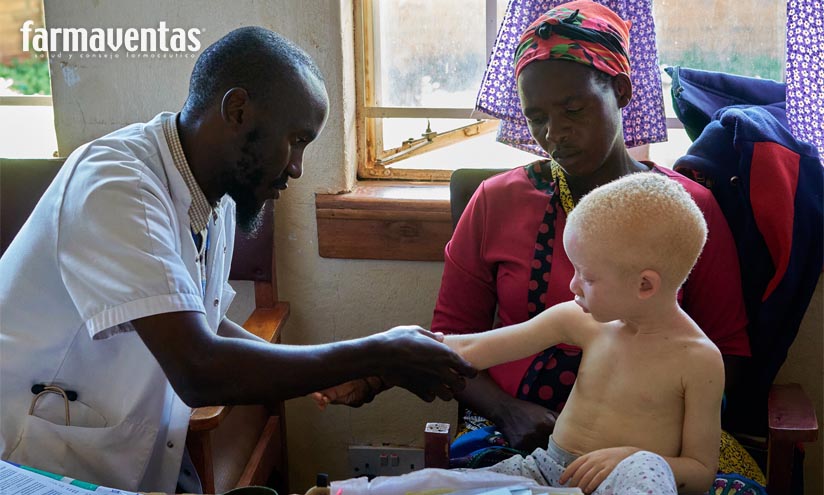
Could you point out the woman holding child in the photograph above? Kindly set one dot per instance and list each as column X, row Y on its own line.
column 506, row 261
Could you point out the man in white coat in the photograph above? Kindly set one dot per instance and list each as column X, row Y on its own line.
column 115, row 291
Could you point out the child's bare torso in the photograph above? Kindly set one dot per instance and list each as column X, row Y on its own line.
column 630, row 391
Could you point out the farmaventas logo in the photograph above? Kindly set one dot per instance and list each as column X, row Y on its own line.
column 152, row 39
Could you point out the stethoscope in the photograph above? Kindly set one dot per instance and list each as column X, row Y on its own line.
column 41, row 389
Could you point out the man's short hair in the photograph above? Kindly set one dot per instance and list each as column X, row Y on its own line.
column 648, row 220
column 253, row 58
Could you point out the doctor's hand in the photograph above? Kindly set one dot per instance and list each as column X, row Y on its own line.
column 353, row 393
column 590, row 470
column 415, row 359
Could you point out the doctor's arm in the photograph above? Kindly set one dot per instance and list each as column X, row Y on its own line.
column 207, row 369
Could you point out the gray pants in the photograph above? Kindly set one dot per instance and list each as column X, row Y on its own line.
column 641, row 473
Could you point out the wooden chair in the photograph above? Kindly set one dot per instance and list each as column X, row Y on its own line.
column 790, row 415
column 246, row 445
column 229, row 446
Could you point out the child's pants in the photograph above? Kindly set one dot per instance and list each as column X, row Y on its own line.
column 642, row 473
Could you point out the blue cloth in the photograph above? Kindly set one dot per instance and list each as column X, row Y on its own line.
column 698, row 94
column 735, row 484
column 474, row 440
column 763, row 178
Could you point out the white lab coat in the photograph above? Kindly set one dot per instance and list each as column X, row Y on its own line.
column 109, row 242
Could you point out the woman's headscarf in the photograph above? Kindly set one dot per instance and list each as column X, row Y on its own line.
column 644, row 120
column 581, row 31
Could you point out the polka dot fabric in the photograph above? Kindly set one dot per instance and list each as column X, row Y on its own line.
column 642, row 473
column 549, row 379
column 644, row 119
column 805, row 71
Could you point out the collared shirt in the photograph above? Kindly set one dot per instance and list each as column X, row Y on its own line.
column 200, row 210
column 109, row 242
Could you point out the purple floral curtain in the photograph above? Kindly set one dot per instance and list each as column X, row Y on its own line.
column 644, row 119
column 805, row 71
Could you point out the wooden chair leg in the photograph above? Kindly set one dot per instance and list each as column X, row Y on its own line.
column 199, row 444
column 779, row 466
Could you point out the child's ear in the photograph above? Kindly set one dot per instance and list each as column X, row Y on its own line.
column 650, row 284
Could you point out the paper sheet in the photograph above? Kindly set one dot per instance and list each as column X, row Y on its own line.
column 18, row 481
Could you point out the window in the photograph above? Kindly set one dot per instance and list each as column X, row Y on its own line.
column 420, row 64
column 26, row 115
column 716, row 35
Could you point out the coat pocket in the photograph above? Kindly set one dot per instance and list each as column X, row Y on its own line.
column 114, row 456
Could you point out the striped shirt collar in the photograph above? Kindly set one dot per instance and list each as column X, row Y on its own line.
column 200, row 208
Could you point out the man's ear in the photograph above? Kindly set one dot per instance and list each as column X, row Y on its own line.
column 622, row 86
column 234, row 107
column 650, row 284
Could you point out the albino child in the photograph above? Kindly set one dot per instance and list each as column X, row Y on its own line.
column 644, row 415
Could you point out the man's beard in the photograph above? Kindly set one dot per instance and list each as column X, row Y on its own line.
column 249, row 216
column 240, row 186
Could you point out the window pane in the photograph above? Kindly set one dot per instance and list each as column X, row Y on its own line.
column 477, row 152
column 743, row 37
column 26, row 131
column 429, row 53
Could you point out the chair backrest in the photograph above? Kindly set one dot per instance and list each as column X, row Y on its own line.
column 22, row 182
column 254, row 259
column 462, row 186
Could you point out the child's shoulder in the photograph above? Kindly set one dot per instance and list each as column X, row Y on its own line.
column 702, row 355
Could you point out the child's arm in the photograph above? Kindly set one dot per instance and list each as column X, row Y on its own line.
column 562, row 323
column 696, row 467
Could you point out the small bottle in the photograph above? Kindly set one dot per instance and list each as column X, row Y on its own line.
column 321, row 485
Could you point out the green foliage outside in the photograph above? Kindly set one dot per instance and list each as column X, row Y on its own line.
column 763, row 66
column 30, row 76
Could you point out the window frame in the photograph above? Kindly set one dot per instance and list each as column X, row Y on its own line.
column 373, row 161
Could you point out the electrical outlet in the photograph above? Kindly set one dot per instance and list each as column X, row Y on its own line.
column 385, row 460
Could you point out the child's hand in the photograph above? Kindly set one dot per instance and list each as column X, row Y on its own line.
column 354, row 393
column 590, row 470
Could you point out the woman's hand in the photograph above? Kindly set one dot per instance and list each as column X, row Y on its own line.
column 590, row 470
column 354, row 393
column 525, row 425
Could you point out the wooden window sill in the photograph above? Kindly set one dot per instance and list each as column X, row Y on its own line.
column 385, row 221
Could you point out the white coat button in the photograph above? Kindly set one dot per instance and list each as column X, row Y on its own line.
column 170, row 444
column 216, row 302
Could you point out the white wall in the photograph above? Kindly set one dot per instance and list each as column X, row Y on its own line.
column 331, row 299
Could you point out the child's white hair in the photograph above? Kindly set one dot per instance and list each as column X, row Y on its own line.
column 647, row 220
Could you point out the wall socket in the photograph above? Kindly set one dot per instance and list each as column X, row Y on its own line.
column 384, row 460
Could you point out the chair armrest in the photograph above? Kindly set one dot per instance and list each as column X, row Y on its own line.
column 266, row 323
column 436, row 445
column 791, row 419
column 791, row 415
